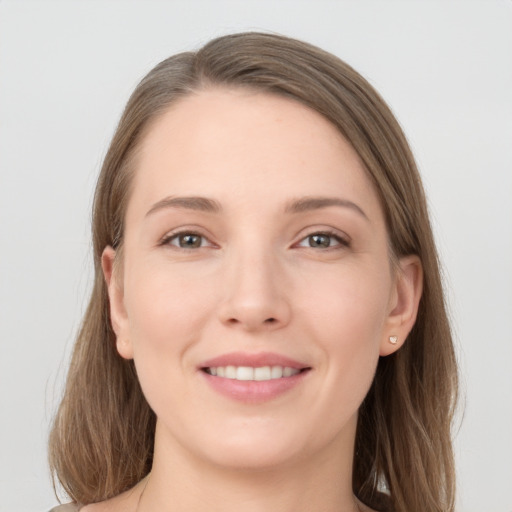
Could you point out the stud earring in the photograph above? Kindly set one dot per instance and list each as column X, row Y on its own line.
column 393, row 340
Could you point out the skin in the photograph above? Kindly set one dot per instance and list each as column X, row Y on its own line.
column 256, row 282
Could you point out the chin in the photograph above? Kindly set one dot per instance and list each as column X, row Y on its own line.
column 255, row 457
column 248, row 447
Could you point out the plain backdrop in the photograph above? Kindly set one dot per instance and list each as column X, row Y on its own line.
column 66, row 70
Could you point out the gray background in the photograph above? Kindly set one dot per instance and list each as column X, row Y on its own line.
column 66, row 70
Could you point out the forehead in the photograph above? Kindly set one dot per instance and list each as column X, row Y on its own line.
column 235, row 143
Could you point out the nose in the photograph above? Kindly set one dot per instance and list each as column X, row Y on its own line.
column 255, row 294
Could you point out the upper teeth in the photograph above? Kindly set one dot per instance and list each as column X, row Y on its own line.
column 250, row 373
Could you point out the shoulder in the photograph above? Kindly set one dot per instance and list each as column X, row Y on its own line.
column 70, row 507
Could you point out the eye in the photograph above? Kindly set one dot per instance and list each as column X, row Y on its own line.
column 186, row 240
column 323, row 240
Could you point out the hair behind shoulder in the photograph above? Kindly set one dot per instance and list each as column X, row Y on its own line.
column 102, row 438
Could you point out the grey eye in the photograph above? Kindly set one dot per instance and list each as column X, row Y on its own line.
column 323, row 241
column 189, row 241
column 319, row 240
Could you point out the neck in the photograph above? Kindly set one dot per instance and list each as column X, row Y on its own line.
column 180, row 481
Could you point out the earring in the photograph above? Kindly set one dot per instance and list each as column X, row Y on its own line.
column 393, row 340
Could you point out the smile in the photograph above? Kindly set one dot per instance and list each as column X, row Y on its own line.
column 253, row 378
column 260, row 373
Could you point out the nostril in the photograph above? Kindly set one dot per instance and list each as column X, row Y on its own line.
column 252, row 321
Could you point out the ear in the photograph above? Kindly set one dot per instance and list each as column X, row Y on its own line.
column 404, row 304
column 118, row 315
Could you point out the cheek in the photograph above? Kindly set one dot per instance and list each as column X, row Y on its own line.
column 165, row 309
column 351, row 305
column 165, row 317
column 347, row 317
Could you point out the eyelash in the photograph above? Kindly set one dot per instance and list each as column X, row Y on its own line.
column 341, row 241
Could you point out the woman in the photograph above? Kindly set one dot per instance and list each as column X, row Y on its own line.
column 267, row 328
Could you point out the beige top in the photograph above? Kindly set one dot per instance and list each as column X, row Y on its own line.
column 70, row 507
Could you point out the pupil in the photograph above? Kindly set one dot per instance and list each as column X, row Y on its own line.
column 190, row 241
column 319, row 241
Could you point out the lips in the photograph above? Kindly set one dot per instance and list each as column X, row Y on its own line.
column 253, row 378
column 253, row 360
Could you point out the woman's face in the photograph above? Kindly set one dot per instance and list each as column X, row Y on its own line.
column 255, row 248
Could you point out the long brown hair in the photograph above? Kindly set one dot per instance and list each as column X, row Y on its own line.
column 102, row 439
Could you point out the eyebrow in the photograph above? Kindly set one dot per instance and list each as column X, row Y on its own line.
column 202, row 204
column 316, row 203
column 304, row 204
